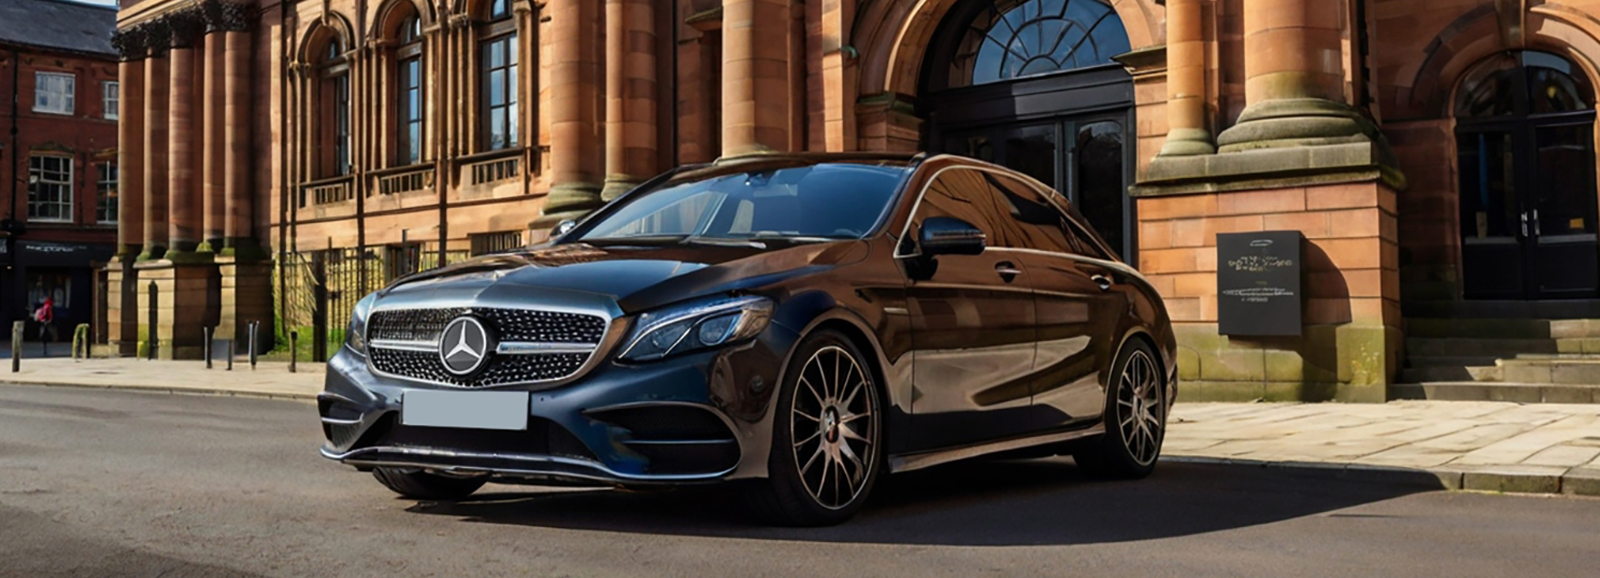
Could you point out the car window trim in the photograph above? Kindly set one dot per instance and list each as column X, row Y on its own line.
column 917, row 204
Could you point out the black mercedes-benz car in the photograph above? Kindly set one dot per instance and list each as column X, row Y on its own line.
column 800, row 324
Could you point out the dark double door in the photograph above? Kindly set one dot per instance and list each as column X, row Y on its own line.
column 1070, row 130
column 1528, row 208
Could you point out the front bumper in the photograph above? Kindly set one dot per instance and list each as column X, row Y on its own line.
column 696, row 418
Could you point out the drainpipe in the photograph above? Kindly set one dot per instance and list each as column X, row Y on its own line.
column 16, row 89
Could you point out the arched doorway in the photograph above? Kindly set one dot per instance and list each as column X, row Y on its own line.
column 1030, row 84
column 1526, row 160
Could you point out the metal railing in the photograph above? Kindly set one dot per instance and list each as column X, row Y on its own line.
column 327, row 191
column 319, row 289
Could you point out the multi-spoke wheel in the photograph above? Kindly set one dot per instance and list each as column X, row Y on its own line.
column 826, row 436
column 1135, row 418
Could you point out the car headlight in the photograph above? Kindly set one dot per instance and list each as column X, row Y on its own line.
column 355, row 336
column 696, row 325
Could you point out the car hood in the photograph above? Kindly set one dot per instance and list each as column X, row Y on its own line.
column 636, row 278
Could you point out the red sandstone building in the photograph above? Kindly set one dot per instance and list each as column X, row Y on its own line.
column 1437, row 158
column 58, row 157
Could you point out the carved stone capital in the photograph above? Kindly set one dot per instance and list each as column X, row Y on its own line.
column 131, row 43
column 226, row 16
column 157, row 36
column 187, row 27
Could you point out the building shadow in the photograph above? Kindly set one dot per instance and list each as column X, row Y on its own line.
column 1011, row 503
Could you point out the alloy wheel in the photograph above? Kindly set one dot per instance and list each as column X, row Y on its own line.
column 834, row 425
column 1139, row 410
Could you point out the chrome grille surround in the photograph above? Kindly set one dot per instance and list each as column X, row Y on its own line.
column 536, row 345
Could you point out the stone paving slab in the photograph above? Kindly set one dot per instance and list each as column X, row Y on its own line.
column 1484, row 446
column 1491, row 446
column 268, row 379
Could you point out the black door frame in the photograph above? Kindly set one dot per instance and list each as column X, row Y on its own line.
column 1074, row 97
column 1524, row 143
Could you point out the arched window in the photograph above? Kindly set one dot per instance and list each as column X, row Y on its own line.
column 497, row 66
column 1016, row 38
column 408, row 91
column 1526, row 161
column 333, row 110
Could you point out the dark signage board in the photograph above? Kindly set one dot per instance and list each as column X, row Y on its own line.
column 1258, row 283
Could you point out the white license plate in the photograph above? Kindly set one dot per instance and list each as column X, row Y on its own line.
column 505, row 410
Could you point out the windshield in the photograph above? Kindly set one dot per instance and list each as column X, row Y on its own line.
column 830, row 201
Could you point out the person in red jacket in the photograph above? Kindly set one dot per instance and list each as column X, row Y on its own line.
column 45, row 314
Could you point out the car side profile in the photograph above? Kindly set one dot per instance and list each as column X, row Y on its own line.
column 799, row 325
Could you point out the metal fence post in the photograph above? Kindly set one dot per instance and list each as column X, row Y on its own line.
column 254, row 325
column 17, row 329
column 294, row 338
column 231, row 352
column 206, row 347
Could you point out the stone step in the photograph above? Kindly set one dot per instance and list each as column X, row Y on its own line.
column 1453, row 360
column 1503, row 328
column 1455, row 373
column 1480, row 347
column 1513, row 392
column 1511, row 309
column 1554, row 371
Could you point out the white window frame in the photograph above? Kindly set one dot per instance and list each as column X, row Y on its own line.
column 108, row 181
column 43, row 90
column 110, row 98
column 36, row 182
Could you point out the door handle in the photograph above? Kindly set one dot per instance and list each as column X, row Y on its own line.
column 1103, row 281
column 1536, row 228
column 1525, row 224
column 1007, row 270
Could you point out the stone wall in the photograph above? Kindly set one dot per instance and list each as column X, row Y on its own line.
column 1350, row 346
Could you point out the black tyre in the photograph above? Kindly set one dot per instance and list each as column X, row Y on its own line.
column 420, row 485
column 1135, row 418
column 827, row 437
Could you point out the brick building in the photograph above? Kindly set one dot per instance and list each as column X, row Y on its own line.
column 1437, row 157
column 58, row 157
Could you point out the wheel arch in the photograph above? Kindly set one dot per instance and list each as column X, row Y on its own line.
column 855, row 328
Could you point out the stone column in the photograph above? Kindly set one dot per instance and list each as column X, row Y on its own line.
column 157, row 70
column 574, row 119
column 755, row 76
column 130, row 157
column 1294, row 79
column 630, row 95
column 238, row 231
column 183, row 153
column 122, row 279
column 1186, row 82
column 212, row 162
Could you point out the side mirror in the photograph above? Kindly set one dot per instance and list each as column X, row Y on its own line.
column 563, row 228
column 950, row 236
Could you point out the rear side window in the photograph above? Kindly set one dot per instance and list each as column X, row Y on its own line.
column 1032, row 221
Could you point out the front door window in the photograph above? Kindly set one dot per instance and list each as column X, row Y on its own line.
column 1525, row 146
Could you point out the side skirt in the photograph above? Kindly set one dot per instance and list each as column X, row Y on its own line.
column 917, row 461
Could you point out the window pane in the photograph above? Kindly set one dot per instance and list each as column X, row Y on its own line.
column 1101, row 186
column 1038, row 37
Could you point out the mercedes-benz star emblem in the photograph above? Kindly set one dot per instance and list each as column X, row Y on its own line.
column 464, row 346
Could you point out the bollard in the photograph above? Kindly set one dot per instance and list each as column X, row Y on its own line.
column 253, row 326
column 17, row 329
column 206, row 347
column 294, row 337
column 230, row 354
column 151, row 340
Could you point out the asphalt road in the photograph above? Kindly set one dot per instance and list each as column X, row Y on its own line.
column 107, row 483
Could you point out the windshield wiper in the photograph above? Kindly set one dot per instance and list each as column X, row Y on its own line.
column 722, row 242
column 636, row 240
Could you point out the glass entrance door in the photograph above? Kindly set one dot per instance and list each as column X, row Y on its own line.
column 1528, row 211
column 1525, row 146
column 1090, row 170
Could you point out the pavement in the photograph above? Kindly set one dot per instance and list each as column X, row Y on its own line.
column 1482, row 446
column 132, row 484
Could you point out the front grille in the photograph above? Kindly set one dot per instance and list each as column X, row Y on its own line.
column 424, row 326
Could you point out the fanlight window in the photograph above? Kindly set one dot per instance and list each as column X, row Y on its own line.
column 1017, row 38
column 1524, row 83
